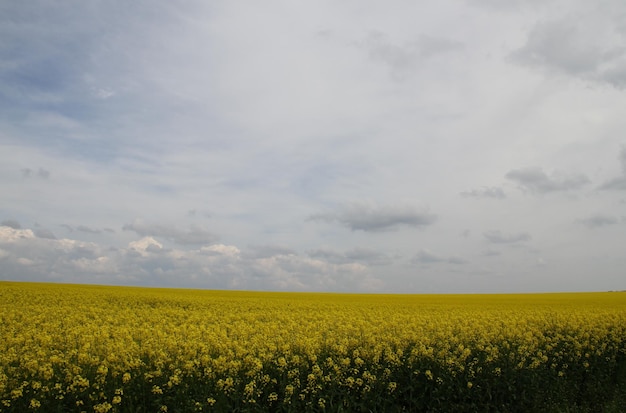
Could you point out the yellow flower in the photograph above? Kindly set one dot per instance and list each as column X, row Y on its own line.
column 102, row 407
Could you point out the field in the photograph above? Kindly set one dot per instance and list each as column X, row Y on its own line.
column 77, row 348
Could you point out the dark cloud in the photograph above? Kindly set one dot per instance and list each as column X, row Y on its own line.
column 586, row 50
column 535, row 180
column 618, row 183
column 192, row 236
column 375, row 219
column 83, row 228
column 599, row 220
column 428, row 257
column 493, row 192
column 11, row 223
column 361, row 255
column 44, row 233
column 497, row 237
column 41, row 173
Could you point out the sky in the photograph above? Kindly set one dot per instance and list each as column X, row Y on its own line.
column 457, row 146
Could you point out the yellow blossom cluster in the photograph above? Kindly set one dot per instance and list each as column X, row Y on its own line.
column 115, row 349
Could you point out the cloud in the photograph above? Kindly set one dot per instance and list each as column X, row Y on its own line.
column 41, row 173
column 145, row 246
column 83, row 228
column 361, row 217
column 589, row 47
column 193, row 236
column 618, row 183
column 599, row 220
column 535, row 180
column 362, row 255
column 11, row 223
column 33, row 258
column 146, row 262
column 404, row 58
column 497, row 237
column 491, row 253
column 485, row 192
column 44, row 233
column 266, row 251
column 425, row 256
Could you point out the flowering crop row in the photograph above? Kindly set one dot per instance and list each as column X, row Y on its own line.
column 113, row 349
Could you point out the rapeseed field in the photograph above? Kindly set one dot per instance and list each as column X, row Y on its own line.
column 77, row 348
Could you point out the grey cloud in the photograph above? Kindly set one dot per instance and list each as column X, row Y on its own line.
column 360, row 217
column 497, row 237
column 266, row 251
column 402, row 58
column 493, row 192
column 509, row 5
column 195, row 213
column 362, row 255
column 491, row 253
column 618, row 183
column 83, row 228
column 11, row 223
column 427, row 257
column 68, row 227
column 599, row 220
column 535, row 180
column 429, row 46
column 41, row 173
column 193, row 236
column 44, row 233
column 579, row 46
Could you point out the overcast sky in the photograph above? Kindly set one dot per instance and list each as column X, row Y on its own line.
column 423, row 147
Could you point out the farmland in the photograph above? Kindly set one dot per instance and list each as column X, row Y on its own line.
column 122, row 349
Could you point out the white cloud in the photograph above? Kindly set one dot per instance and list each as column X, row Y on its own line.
column 145, row 245
column 147, row 262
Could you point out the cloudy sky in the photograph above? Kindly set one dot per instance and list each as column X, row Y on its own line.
column 453, row 146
